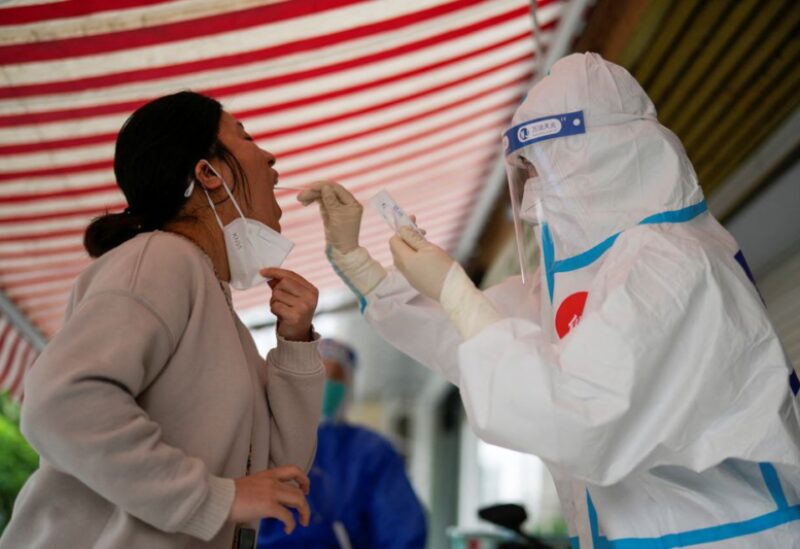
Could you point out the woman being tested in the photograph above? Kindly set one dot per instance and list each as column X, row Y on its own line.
column 638, row 362
column 158, row 423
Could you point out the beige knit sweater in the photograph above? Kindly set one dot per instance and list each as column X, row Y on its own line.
column 144, row 407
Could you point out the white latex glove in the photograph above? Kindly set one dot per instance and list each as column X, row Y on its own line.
column 341, row 213
column 424, row 265
column 435, row 274
column 341, row 216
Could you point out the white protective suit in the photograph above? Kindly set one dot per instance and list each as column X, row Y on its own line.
column 665, row 407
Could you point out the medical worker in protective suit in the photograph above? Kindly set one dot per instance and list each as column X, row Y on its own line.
column 361, row 497
column 638, row 361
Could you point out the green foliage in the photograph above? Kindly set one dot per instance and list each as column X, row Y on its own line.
column 557, row 528
column 554, row 533
column 17, row 459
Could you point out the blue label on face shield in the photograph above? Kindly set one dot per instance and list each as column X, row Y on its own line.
column 542, row 129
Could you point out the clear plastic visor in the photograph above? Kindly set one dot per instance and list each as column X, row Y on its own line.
column 526, row 211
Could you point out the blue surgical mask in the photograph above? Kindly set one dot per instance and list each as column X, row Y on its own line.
column 332, row 399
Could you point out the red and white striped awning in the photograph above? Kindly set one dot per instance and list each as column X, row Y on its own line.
column 406, row 95
column 16, row 354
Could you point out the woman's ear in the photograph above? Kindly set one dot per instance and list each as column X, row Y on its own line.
column 206, row 175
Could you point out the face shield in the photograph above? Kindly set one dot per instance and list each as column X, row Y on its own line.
column 534, row 183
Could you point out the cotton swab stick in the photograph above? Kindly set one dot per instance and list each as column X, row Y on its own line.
column 284, row 187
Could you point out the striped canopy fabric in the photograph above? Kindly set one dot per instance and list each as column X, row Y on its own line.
column 16, row 354
column 407, row 95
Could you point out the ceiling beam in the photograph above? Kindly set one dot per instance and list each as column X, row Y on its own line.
column 610, row 27
column 21, row 323
column 571, row 21
column 496, row 181
column 757, row 170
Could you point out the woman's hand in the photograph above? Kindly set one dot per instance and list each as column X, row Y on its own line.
column 270, row 494
column 293, row 301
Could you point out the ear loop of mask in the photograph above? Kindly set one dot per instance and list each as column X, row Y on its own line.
column 230, row 195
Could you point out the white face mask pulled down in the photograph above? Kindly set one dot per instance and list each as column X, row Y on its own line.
column 250, row 244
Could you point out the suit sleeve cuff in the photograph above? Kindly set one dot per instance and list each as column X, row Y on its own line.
column 466, row 306
column 358, row 270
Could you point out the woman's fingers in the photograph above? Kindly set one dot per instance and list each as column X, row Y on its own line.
column 288, row 295
column 294, row 287
column 291, row 315
column 279, row 275
column 272, row 493
column 292, row 473
column 292, row 497
column 278, row 511
column 293, row 290
column 294, row 300
column 303, row 301
column 285, row 313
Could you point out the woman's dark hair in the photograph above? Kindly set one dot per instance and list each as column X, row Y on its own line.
column 156, row 152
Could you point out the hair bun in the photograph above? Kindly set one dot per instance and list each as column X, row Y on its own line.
column 110, row 230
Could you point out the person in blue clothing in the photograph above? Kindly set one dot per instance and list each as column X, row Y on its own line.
column 360, row 495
